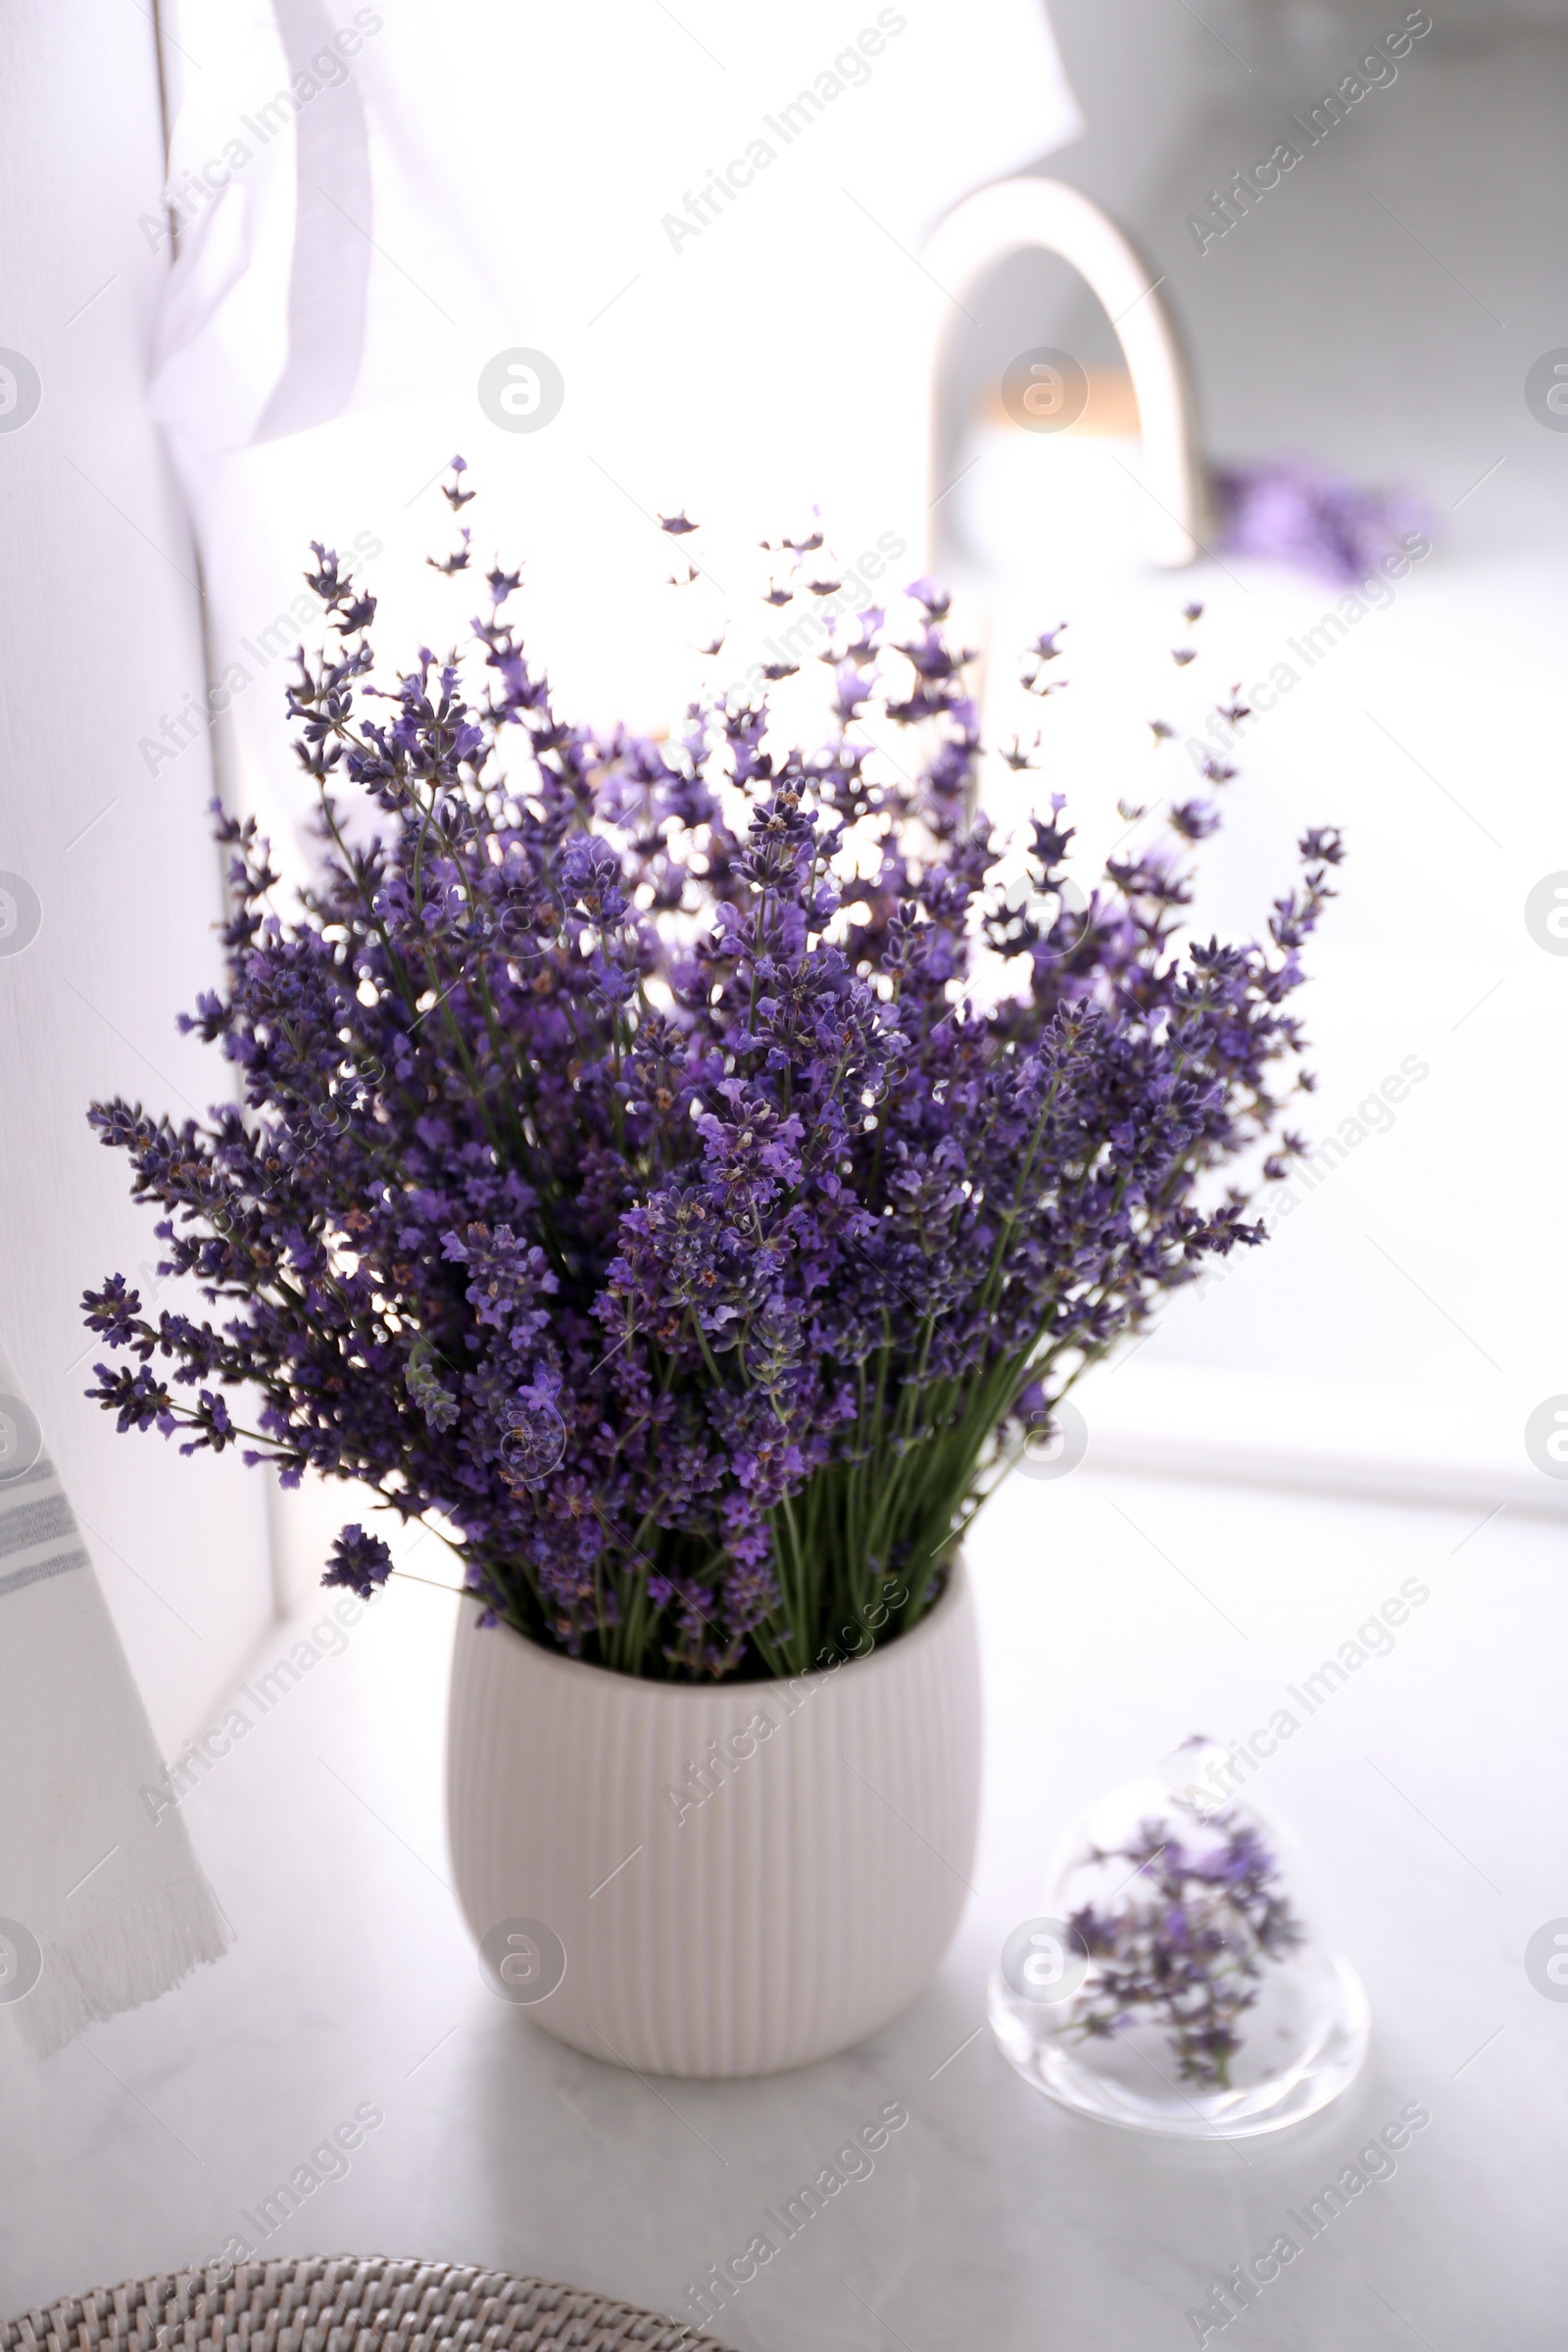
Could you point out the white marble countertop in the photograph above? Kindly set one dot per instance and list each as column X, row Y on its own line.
column 1117, row 1615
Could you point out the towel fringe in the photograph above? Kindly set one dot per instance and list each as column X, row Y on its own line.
column 134, row 1957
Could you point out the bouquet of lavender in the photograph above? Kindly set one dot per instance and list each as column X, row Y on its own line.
column 629, row 1175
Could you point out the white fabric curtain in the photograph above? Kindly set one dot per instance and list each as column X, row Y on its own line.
column 108, row 931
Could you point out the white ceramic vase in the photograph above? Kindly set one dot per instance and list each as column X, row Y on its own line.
column 723, row 1881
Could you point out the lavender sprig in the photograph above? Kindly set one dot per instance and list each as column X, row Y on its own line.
column 1185, row 1938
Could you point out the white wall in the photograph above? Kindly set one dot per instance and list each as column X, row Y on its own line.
column 100, row 634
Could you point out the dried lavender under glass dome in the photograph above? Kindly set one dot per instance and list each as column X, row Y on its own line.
column 1174, row 1984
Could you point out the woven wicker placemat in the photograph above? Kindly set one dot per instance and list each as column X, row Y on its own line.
column 342, row 2303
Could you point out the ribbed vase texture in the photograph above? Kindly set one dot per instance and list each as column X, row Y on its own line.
column 738, row 1880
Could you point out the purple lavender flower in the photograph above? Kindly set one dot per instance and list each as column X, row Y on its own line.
column 1186, row 1937
column 1292, row 510
column 362, row 1562
column 624, row 1170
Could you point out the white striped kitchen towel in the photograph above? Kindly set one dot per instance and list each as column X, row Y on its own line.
column 101, row 1907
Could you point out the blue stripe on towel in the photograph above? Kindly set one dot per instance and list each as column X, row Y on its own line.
column 30, row 1523
column 57, row 1566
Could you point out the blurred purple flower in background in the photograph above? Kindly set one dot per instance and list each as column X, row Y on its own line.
column 1294, row 511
